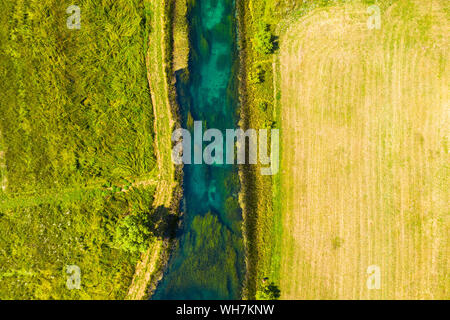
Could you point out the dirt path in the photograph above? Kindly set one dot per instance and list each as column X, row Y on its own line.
column 14, row 200
column 159, row 88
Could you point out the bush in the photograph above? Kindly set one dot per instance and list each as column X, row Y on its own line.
column 269, row 124
column 134, row 233
column 256, row 75
column 263, row 40
column 263, row 105
column 268, row 291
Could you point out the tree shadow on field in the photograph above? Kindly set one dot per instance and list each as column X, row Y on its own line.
column 276, row 43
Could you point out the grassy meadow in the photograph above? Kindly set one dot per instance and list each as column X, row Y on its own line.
column 75, row 103
column 365, row 162
column 77, row 144
column 39, row 242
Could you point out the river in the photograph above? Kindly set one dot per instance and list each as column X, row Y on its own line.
column 209, row 262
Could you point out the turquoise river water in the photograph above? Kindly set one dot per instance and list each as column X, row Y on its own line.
column 209, row 262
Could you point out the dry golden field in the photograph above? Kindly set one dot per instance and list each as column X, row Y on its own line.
column 365, row 161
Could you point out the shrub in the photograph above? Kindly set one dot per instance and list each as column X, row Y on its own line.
column 263, row 105
column 269, row 124
column 263, row 40
column 268, row 291
column 133, row 233
column 256, row 75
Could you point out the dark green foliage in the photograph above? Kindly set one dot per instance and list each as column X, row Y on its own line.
column 263, row 106
column 256, row 75
column 263, row 40
column 134, row 233
column 278, row 97
column 269, row 124
column 268, row 291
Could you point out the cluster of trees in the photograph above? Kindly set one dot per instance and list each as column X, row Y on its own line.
column 134, row 232
column 263, row 43
column 256, row 75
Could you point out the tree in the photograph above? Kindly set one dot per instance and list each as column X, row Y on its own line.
column 268, row 291
column 256, row 75
column 133, row 233
column 263, row 40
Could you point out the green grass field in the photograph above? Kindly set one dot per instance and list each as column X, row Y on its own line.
column 77, row 144
column 39, row 242
column 66, row 119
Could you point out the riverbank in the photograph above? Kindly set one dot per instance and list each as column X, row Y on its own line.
column 168, row 51
column 73, row 150
column 260, row 98
column 259, row 194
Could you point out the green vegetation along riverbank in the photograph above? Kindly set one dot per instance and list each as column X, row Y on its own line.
column 84, row 148
column 167, row 53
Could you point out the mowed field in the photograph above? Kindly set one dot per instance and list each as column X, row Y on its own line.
column 365, row 162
